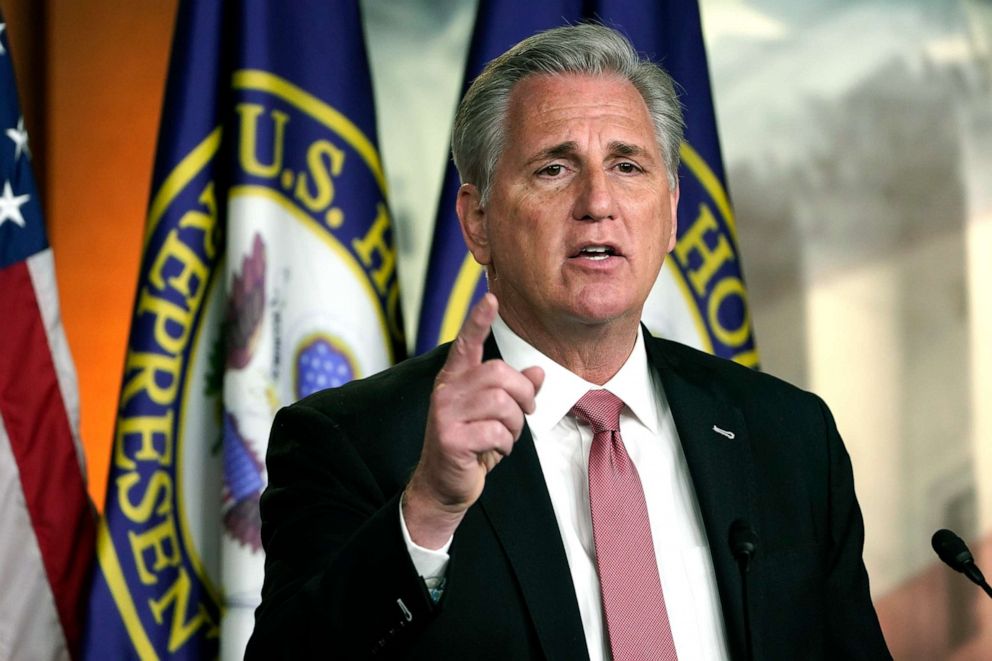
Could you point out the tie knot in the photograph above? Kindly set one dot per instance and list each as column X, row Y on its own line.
column 601, row 409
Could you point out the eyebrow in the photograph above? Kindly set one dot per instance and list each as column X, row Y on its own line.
column 568, row 150
column 561, row 150
column 625, row 149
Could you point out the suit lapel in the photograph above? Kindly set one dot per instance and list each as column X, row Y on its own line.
column 721, row 468
column 518, row 506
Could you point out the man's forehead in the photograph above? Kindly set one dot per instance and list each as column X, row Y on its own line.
column 550, row 84
column 548, row 115
column 546, row 98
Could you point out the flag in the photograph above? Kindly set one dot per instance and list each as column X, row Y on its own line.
column 455, row 281
column 268, row 273
column 699, row 298
column 47, row 524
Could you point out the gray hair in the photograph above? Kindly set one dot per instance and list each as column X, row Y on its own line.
column 479, row 134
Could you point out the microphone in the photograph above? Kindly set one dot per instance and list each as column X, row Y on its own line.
column 743, row 543
column 954, row 552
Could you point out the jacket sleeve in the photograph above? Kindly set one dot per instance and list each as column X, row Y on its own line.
column 853, row 631
column 339, row 582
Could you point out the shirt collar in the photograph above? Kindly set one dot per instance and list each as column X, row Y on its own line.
column 562, row 388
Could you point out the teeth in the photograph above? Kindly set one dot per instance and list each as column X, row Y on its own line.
column 596, row 252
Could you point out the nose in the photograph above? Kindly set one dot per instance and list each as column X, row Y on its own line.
column 594, row 199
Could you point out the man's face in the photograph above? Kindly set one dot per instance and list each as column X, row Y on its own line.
column 580, row 214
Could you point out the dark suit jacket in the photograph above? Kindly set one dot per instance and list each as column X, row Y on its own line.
column 339, row 582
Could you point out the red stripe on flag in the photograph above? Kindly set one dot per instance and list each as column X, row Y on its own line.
column 36, row 421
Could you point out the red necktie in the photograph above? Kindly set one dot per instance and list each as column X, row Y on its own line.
column 633, row 602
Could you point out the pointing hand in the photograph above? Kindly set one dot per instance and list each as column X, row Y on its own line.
column 476, row 415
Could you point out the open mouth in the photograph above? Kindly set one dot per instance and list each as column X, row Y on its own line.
column 597, row 253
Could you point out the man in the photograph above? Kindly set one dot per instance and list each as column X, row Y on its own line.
column 557, row 483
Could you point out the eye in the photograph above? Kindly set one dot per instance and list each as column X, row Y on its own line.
column 627, row 167
column 552, row 170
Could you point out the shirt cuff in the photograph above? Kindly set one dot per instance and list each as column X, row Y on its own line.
column 429, row 563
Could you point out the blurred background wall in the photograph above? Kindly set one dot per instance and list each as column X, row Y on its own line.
column 857, row 137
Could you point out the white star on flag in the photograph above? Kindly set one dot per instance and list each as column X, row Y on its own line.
column 20, row 138
column 3, row 26
column 10, row 205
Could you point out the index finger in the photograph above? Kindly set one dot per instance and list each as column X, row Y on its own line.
column 467, row 349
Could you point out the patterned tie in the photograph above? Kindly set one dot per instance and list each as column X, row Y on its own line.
column 633, row 602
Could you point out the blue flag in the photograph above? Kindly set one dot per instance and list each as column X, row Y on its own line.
column 699, row 298
column 454, row 280
column 268, row 273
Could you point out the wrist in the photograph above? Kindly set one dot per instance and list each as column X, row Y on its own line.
column 430, row 524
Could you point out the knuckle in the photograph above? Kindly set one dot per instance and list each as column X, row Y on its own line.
column 486, row 431
column 458, row 349
column 503, row 370
column 503, row 400
column 506, row 438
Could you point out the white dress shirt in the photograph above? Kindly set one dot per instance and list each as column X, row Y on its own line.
column 649, row 435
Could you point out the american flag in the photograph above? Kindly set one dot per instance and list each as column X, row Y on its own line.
column 47, row 523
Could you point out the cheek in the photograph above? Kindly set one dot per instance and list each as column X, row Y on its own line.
column 527, row 230
column 513, row 252
column 656, row 225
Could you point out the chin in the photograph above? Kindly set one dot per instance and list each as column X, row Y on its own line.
column 605, row 311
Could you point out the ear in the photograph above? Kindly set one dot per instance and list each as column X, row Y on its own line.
column 673, row 200
column 472, row 218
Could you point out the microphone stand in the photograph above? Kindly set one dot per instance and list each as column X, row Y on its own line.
column 743, row 543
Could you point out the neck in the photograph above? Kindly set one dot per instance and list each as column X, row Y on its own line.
column 595, row 352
